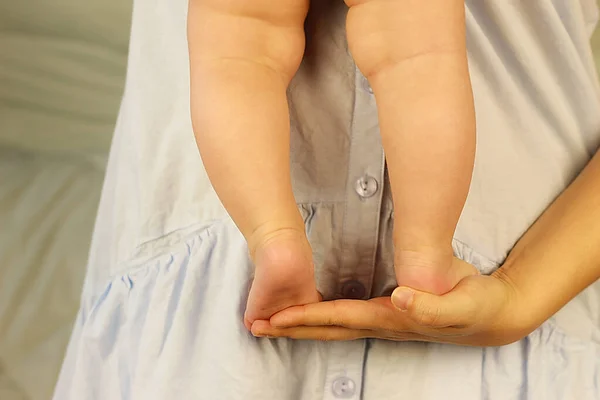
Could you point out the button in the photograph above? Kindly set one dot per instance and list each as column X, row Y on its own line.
column 366, row 187
column 353, row 290
column 367, row 86
column 343, row 388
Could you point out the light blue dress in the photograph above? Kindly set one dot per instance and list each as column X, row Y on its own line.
column 168, row 275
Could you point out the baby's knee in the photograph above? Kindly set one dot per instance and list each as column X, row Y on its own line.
column 383, row 33
column 372, row 30
column 261, row 31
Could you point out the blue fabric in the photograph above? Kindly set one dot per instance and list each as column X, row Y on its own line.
column 171, row 327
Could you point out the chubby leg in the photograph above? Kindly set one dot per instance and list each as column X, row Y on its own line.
column 414, row 54
column 243, row 55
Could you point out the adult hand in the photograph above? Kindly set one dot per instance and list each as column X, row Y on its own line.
column 479, row 311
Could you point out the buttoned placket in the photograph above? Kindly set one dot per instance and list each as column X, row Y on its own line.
column 363, row 198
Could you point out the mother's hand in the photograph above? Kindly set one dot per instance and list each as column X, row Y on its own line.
column 479, row 311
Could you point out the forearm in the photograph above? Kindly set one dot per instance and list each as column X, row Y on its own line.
column 560, row 254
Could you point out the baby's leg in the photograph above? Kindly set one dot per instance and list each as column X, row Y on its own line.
column 243, row 55
column 414, row 54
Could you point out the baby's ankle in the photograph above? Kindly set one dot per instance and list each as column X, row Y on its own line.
column 425, row 269
column 279, row 243
column 425, row 256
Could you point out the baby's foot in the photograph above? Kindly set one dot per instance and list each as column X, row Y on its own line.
column 430, row 271
column 284, row 275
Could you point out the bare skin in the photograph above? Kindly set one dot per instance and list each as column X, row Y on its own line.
column 243, row 56
column 413, row 53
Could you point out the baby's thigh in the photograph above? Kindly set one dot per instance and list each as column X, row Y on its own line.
column 278, row 13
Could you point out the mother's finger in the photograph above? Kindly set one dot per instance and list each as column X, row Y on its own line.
column 353, row 314
column 338, row 333
column 321, row 333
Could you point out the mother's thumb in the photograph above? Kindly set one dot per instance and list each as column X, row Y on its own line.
column 453, row 308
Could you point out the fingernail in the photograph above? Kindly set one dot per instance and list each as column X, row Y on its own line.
column 402, row 298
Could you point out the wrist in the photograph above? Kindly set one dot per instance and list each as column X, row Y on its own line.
column 519, row 316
